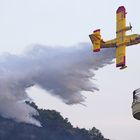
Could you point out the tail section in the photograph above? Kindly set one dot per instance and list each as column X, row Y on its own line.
column 96, row 40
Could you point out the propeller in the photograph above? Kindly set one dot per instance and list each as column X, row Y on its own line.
column 130, row 26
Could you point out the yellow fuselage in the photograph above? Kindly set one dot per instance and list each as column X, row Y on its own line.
column 129, row 40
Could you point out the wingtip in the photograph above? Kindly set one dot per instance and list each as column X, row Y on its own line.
column 123, row 67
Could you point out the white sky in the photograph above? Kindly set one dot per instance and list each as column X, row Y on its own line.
column 61, row 22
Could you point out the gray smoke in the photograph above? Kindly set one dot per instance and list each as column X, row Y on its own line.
column 64, row 72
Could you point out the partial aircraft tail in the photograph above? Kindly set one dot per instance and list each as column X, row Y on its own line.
column 96, row 40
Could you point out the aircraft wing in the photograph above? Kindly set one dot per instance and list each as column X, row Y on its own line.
column 120, row 56
column 121, row 37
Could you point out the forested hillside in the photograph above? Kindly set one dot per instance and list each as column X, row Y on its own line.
column 54, row 127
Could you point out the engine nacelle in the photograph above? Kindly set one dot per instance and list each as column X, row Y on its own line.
column 96, row 40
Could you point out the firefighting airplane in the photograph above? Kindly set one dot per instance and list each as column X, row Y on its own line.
column 120, row 42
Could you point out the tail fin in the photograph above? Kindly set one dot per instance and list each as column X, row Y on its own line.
column 96, row 40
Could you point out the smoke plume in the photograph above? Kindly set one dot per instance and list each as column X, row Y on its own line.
column 64, row 72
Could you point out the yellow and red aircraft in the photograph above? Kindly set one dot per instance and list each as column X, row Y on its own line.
column 120, row 42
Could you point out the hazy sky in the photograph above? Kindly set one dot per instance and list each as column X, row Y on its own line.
column 61, row 22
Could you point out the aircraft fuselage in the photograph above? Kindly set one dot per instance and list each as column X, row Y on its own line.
column 129, row 40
